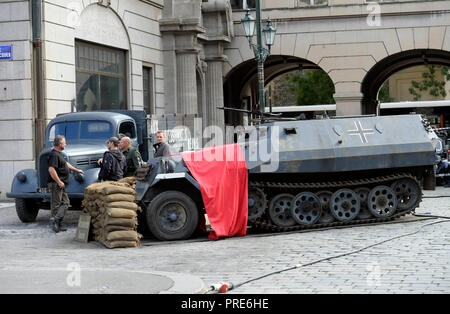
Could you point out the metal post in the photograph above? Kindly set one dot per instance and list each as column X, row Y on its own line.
column 260, row 58
column 270, row 98
column 39, row 107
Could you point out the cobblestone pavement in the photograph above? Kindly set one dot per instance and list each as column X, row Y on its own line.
column 419, row 263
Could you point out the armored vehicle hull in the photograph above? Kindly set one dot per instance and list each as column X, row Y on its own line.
column 340, row 171
column 311, row 174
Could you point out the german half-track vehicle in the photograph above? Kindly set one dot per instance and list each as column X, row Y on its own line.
column 312, row 174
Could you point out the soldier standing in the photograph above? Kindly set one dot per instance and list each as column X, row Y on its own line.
column 59, row 169
column 132, row 156
column 113, row 164
column 162, row 149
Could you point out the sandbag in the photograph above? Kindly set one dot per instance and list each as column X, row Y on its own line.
column 127, row 205
column 120, row 213
column 115, row 189
column 123, row 236
column 130, row 181
column 109, row 221
column 111, row 228
column 117, row 198
column 120, row 244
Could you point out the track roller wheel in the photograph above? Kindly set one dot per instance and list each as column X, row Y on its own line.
column 345, row 205
column 407, row 192
column 325, row 197
column 306, row 208
column 382, row 201
column 280, row 210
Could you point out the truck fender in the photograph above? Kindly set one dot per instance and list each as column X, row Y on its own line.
column 78, row 182
column 25, row 181
column 164, row 178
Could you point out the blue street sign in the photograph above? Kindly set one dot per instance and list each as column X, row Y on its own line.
column 6, row 52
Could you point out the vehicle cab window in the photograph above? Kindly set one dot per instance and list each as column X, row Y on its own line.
column 80, row 130
column 70, row 130
column 95, row 130
column 128, row 129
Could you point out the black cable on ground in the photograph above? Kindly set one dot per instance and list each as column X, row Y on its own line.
column 436, row 196
column 225, row 287
column 426, row 215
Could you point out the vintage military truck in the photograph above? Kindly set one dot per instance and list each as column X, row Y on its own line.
column 86, row 134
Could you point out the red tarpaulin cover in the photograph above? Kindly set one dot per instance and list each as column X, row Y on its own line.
column 222, row 174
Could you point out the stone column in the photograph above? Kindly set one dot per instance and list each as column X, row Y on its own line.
column 186, row 81
column 348, row 104
column 180, row 25
column 214, row 93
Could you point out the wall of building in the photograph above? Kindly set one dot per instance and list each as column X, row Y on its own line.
column 130, row 25
column 16, row 106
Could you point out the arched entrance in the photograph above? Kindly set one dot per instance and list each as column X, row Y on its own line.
column 392, row 64
column 241, row 86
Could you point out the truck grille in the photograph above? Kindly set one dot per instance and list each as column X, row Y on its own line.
column 82, row 162
column 85, row 162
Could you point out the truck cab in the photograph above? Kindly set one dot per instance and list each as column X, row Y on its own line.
column 86, row 134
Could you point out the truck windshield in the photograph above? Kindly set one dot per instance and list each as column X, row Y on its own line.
column 81, row 130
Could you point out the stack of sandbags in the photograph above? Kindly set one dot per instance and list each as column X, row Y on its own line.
column 113, row 213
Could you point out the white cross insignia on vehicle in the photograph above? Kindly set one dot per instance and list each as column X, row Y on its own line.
column 361, row 132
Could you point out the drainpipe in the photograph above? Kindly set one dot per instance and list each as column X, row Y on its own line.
column 39, row 110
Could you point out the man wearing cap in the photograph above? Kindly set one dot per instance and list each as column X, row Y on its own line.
column 113, row 164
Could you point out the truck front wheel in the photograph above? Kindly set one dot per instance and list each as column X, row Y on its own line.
column 27, row 209
column 172, row 215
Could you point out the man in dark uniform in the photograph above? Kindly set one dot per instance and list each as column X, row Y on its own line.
column 162, row 149
column 59, row 169
column 132, row 156
column 113, row 164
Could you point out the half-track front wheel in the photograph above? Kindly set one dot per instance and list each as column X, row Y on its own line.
column 27, row 210
column 172, row 215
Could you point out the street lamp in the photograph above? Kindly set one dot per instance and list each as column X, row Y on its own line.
column 261, row 53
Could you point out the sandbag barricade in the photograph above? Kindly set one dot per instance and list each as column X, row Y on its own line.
column 113, row 212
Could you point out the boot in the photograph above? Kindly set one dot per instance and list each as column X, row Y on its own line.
column 54, row 224
column 61, row 226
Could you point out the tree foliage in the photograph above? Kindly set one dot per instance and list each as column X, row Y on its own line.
column 430, row 83
column 383, row 94
column 313, row 88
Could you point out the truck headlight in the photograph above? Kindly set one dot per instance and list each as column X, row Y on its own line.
column 22, row 177
column 79, row 178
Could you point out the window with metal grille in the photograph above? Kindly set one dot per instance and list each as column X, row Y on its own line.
column 100, row 77
column 147, row 75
